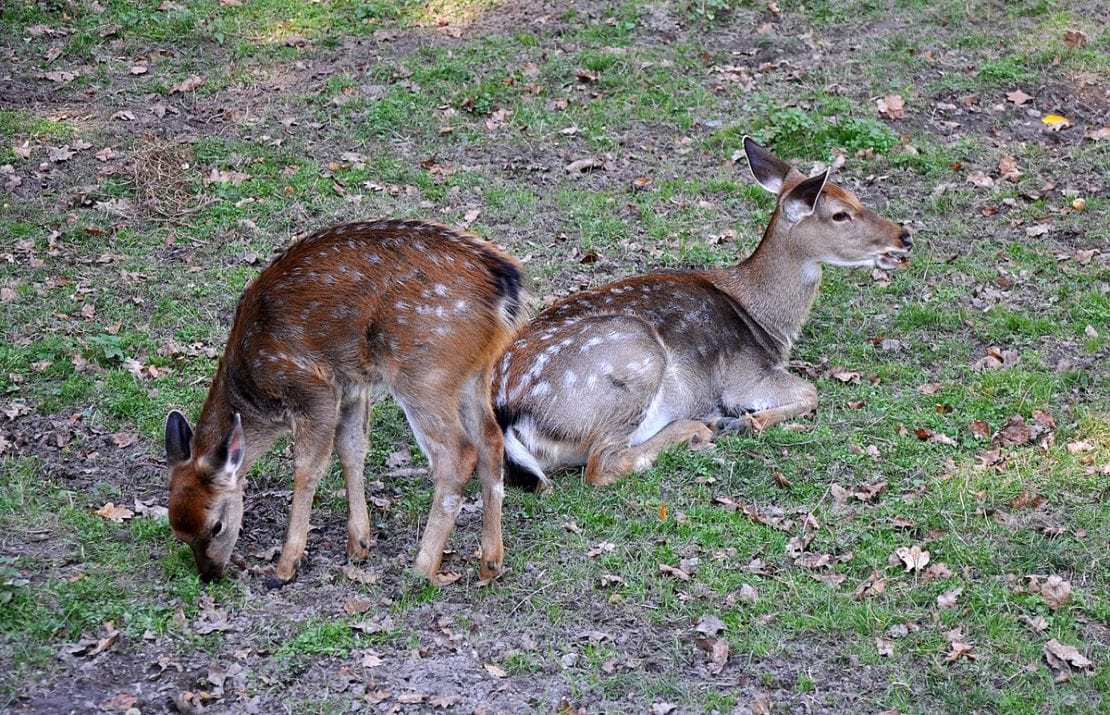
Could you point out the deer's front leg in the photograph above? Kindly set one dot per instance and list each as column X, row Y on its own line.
column 774, row 399
column 311, row 449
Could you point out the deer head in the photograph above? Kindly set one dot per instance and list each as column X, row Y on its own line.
column 206, row 494
column 820, row 222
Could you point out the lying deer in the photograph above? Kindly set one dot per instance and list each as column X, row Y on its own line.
column 415, row 309
column 610, row 377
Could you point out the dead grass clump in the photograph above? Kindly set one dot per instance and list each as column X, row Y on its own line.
column 164, row 181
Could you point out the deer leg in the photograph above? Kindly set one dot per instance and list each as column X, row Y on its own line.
column 482, row 429
column 313, row 438
column 776, row 398
column 352, row 440
column 607, row 465
column 452, row 460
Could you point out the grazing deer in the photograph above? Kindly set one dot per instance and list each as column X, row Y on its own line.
column 610, row 377
column 415, row 309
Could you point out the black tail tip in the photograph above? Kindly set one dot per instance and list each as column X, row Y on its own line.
column 519, row 476
column 510, row 284
column 516, row 474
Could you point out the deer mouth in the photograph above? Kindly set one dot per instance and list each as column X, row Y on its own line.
column 892, row 258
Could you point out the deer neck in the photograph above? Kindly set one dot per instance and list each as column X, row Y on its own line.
column 776, row 285
column 217, row 415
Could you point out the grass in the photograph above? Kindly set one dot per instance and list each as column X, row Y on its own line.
column 115, row 318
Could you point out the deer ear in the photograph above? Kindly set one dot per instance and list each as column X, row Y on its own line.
column 768, row 170
column 801, row 200
column 178, row 437
column 227, row 458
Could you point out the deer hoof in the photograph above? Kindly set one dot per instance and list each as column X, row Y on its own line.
column 273, row 583
column 731, row 425
column 358, row 549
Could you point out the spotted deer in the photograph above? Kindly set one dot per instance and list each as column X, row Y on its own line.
column 417, row 310
column 610, row 377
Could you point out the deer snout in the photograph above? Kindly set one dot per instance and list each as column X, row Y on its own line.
column 906, row 239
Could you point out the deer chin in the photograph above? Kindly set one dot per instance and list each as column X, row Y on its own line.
column 889, row 260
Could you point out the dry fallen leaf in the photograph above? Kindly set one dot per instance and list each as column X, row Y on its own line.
column 1018, row 97
column 150, row 510
column 187, row 85
column 937, row 572
column 1062, row 657
column 913, row 557
column 1079, row 447
column 580, row 166
column 980, row 179
column 947, row 600
column 891, row 106
column 95, row 646
column 1055, row 591
column 61, row 76
column 709, row 625
column 124, row 439
column 359, row 575
column 1075, row 38
column 1008, row 168
column 121, row 702
column 674, row 571
column 980, row 429
column 1056, row 122
column 1037, row 623
column 884, row 646
column 873, row 586
column 113, row 512
column 959, row 649
column 445, row 701
column 718, row 656
column 602, row 547
column 220, row 176
column 354, row 605
column 495, row 671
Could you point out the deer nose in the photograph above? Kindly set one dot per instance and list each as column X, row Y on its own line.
column 906, row 239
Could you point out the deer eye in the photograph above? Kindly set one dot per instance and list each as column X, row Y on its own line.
column 841, row 216
column 217, row 528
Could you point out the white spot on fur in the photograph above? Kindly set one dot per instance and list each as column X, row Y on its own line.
column 592, row 342
column 451, row 504
column 541, row 389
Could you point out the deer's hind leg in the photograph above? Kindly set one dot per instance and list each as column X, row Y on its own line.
column 434, row 418
column 352, row 442
column 611, row 463
column 476, row 414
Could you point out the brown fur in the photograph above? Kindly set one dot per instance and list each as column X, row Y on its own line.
column 415, row 309
column 609, row 377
